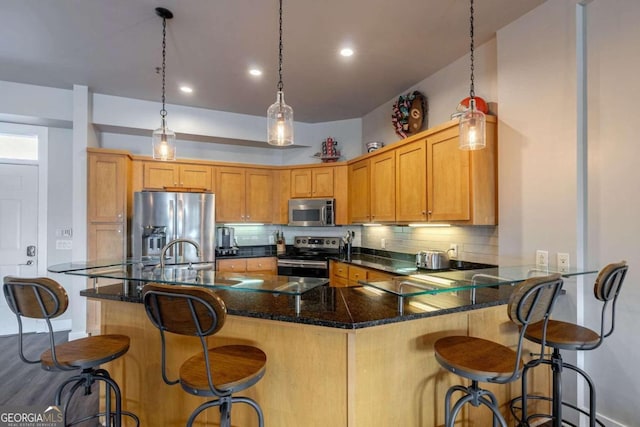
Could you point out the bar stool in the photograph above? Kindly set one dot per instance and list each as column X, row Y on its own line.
column 44, row 298
column 215, row 372
column 481, row 360
column 568, row 336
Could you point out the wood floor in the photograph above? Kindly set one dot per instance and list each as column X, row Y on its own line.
column 26, row 384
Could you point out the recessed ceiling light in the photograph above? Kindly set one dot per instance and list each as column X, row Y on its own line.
column 186, row 89
column 255, row 72
column 346, row 51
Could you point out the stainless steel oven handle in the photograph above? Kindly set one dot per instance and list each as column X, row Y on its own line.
column 302, row 263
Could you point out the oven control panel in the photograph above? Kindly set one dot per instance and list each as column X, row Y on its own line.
column 308, row 242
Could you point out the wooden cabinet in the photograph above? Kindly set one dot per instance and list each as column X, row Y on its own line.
column 342, row 274
column 461, row 185
column 312, row 182
column 244, row 195
column 159, row 175
column 106, row 187
column 383, row 188
column 359, row 192
column 108, row 208
column 411, row 182
column 264, row 265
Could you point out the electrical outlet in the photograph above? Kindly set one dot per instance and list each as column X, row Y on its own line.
column 383, row 243
column 453, row 250
column 65, row 245
column 542, row 259
column 563, row 262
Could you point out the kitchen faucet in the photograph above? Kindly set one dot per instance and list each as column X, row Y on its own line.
column 174, row 242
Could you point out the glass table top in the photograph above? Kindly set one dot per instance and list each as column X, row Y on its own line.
column 424, row 283
column 196, row 274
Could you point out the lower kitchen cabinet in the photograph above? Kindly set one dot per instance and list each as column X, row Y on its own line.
column 266, row 265
column 342, row 274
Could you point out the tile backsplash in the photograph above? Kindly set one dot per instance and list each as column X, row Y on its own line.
column 476, row 244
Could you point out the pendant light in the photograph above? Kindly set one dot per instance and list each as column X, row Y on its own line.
column 472, row 125
column 280, row 115
column 164, row 139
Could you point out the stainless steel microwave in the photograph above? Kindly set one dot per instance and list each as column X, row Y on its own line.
column 312, row 212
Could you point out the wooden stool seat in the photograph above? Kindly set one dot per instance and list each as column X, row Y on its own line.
column 563, row 335
column 232, row 367
column 476, row 358
column 86, row 352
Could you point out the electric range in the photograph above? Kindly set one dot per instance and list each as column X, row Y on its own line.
column 309, row 256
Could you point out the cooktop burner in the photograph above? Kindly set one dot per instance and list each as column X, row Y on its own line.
column 313, row 248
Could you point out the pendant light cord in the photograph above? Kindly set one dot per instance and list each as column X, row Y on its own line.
column 472, row 92
column 280, row 85
column 163, row 112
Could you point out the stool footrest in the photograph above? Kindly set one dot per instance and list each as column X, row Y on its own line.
column 521, row 422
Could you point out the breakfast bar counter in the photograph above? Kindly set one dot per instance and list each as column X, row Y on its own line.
column 347, row 357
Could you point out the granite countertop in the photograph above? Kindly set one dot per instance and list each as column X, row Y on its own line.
column 343, row 308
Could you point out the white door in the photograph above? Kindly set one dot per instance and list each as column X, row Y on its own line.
column 18, row 232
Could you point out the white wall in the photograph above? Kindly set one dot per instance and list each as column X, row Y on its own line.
column 614, row 208
column 538, row 163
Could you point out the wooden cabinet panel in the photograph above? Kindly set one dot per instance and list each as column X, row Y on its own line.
column 322, row 182
column 106, row 241
column 378, row 276
column 196, row 177
column 162, row 175
column 300, row 183
column 448, row 178
column 263, row 264
column 267, row 265
column 411, row 182
column 230, row 194
column 383, row 188
column 259, row 205
column 359, row 192
column 159, row 175
column 244, row 195
column 356, row 273
column 107, row 188
column 238, row 265
column 312, row 182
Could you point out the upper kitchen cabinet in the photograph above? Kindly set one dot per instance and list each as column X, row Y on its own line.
column 411, row 182
column 157, row 175
column 461, row 185
column 359, row 192
column 312, row 182
column 383, row 189
column 108, row 178
column 244, row 195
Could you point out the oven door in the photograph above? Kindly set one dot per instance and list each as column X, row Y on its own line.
column 303, row 268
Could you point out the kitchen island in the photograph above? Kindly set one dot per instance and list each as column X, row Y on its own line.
column 347, row 357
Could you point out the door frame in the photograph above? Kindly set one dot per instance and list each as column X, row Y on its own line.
column 42, row 164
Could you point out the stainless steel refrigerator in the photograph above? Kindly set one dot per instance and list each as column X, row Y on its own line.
column 160, row 217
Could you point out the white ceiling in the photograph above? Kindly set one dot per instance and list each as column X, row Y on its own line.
column 114, row 47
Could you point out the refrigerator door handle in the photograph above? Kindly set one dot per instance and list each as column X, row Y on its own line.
column 171, row 220
column 180, row 225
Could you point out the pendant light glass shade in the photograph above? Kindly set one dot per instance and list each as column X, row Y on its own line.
column 280, row 122
column 163, row 139
column 472, row 128
column 164, row 143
